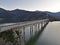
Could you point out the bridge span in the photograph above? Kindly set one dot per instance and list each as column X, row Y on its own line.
column 14, row 33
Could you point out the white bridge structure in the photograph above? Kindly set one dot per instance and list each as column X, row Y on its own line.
column 20, row 28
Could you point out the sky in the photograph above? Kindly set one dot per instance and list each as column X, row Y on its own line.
column 31, row 5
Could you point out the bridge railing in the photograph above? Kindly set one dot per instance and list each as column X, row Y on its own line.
column 5, row 27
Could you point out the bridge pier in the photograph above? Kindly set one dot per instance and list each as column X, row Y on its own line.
column 21, row 39
column 19, row 34
column 23, row 35
column 41, row 25
column 31, row 30
column 38, row 26
column 35, row 27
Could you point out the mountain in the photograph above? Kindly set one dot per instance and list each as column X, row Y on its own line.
column 28, row 15
column 6, row 16
column 56, row 15
column 19, row 15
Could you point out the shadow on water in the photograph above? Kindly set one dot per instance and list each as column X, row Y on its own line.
column 35, row 37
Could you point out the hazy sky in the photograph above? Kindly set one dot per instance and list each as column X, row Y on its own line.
column 42, row 5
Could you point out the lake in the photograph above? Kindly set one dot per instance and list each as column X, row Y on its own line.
column 50, row 35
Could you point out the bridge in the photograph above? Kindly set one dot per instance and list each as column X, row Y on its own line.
column 15, row 33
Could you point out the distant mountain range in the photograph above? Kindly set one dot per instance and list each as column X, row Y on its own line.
column 55, row 15
column 18, row 15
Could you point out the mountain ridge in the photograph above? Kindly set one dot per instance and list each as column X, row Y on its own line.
column 19, row 15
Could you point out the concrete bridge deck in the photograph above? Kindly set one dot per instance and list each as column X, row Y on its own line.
column 5, row 27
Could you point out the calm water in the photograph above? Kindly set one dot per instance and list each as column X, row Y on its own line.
column 50, row 35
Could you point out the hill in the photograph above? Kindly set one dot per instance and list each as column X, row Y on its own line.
column 19, row 15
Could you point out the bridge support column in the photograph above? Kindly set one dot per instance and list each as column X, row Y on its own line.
column 21, row 39
column 31, row 30
column 19, row 36
column 38, row 26
column 41, row 25
column 23, row 34
column 36, row 30
column 44, row 22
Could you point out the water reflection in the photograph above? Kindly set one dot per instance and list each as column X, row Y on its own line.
column 30, row 40
column 51, row 35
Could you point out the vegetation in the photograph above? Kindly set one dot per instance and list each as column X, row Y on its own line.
column 8, row 36
column 17, row 32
